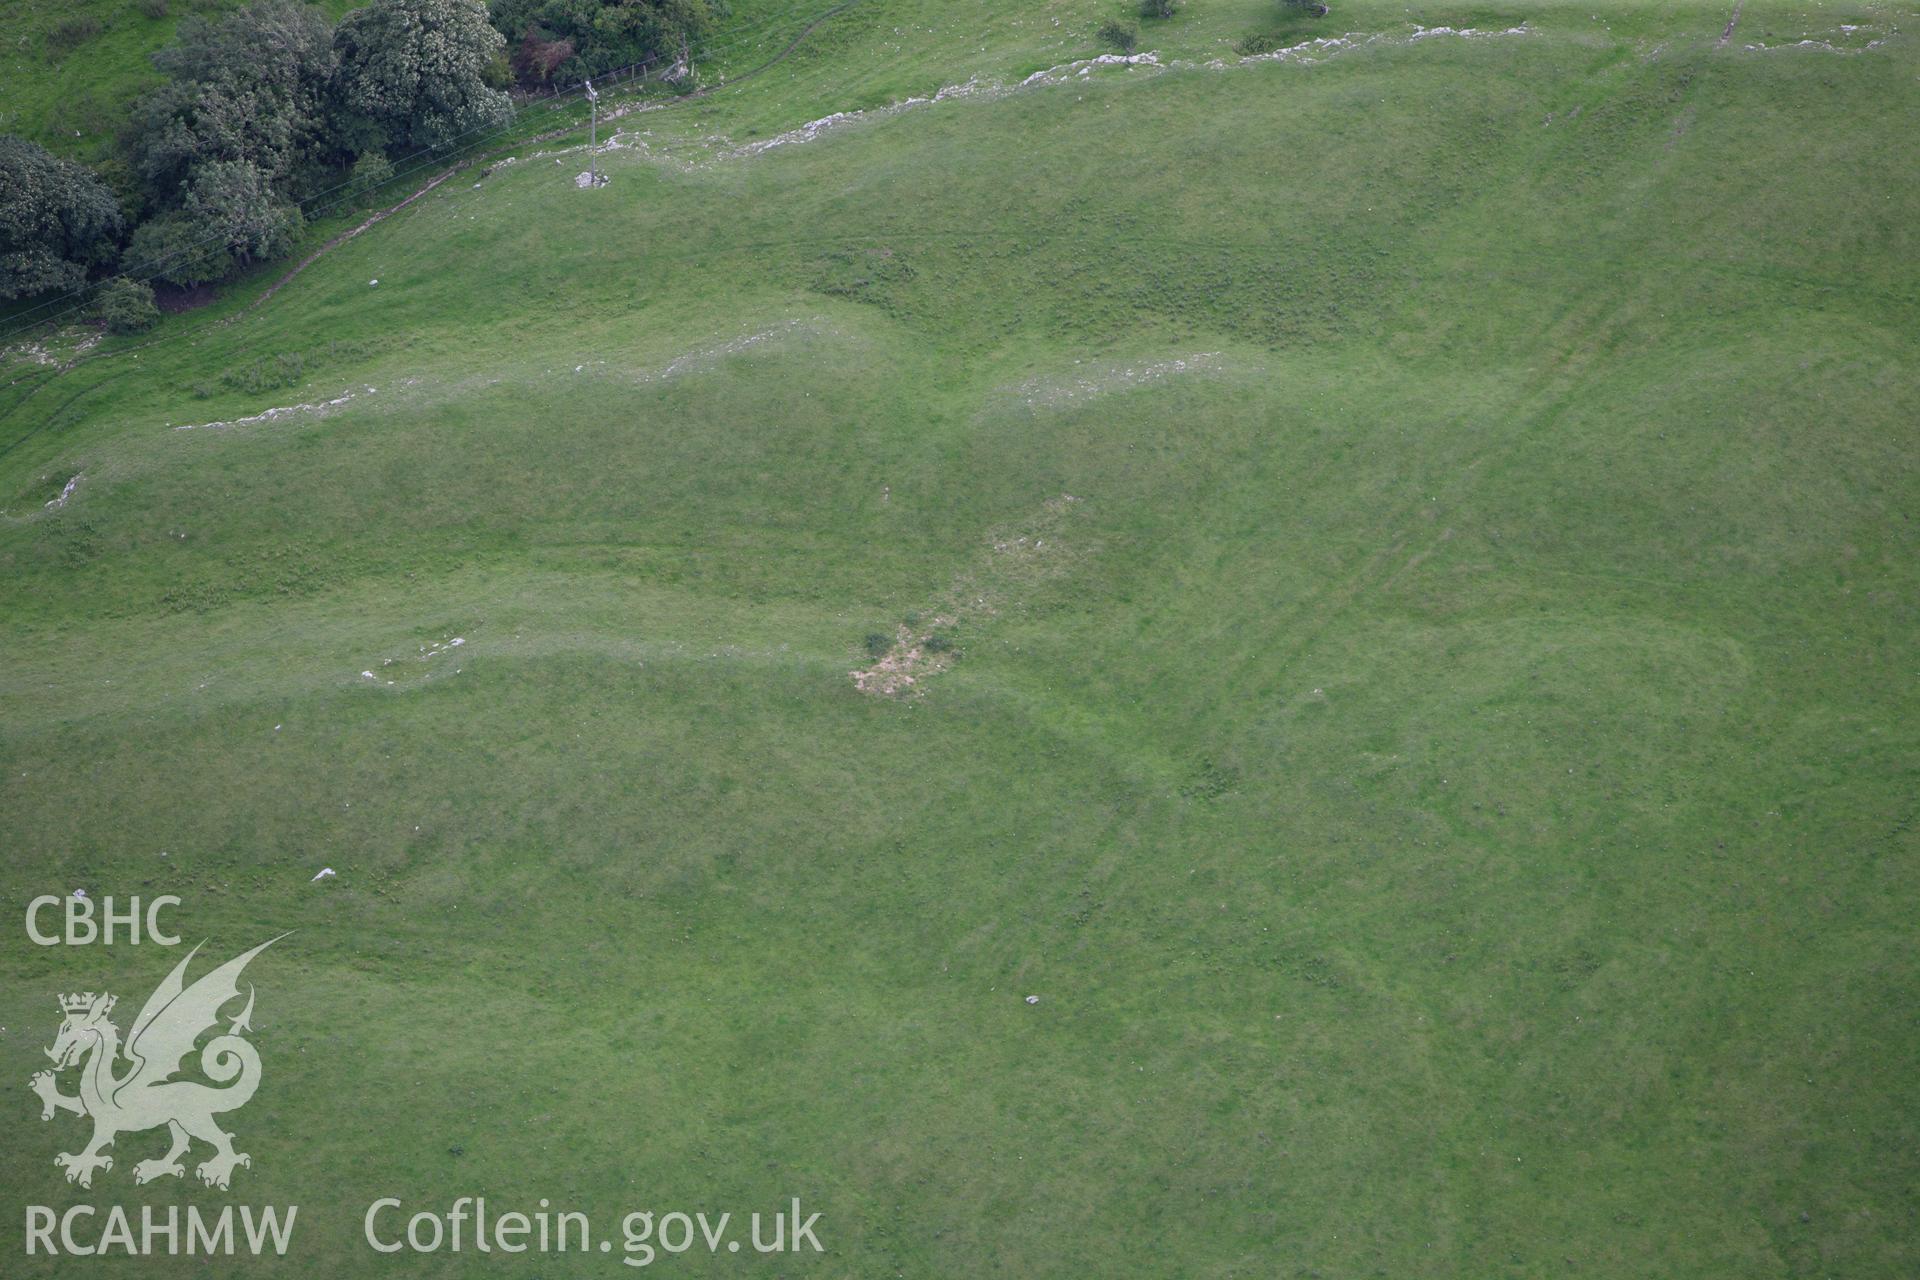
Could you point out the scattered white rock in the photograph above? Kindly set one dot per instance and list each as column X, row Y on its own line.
column 699, row 359
column 1106, row 378
column 54, row 504
column 1033, row 999
column 812, row 129
column 1056, row 75
column 269, row 415
column 322, row 874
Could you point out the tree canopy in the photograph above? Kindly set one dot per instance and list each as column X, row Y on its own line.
column 413, row 73
column 592, row 36
column 273, row 104
column 229, row 217
column 252, row 87
column 57, row 220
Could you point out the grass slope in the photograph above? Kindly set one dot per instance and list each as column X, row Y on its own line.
column 70, row 69
column 1449, row 775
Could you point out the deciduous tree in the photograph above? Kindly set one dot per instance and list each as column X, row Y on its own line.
column 57, row 220
column 230, row 217
column 413, row 73
column 251, row 87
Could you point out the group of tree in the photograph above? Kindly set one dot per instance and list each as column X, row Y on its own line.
column 58, row 222
column 259, row 113
column 274, row 104
column 567, row 39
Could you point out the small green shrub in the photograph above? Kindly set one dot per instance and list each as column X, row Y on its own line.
column 938, row 642
column 1210, row 781
column 76, row 31
column 151, row 8
column 370, row 172
column 271, row 374
column 287, row 368
column 126, row 306
column 1120, row 35
column 872, row 275
column 1287, row 32
column 876, row 643
column 1158, row 8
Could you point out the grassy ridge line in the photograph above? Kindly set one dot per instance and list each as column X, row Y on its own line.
column 1145, row 240
column 733, row 35
column 428, row 162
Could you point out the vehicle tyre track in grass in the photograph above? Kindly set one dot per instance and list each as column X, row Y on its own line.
column 59, row 409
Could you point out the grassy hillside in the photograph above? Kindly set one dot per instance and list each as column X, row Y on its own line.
column 1424, row 529
column 69, row 69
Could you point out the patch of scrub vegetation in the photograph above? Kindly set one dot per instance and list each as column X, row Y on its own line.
column 1120, row 35
column 291, row 368
column 871, row 275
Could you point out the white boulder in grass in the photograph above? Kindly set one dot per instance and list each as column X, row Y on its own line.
column 322, row 874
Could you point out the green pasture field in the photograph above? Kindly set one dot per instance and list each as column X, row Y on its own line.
column 1422, row 538
column 70, row 69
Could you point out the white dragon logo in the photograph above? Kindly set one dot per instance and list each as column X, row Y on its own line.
column 146, row 1096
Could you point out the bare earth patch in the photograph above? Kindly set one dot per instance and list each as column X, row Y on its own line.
column 706, row 356
column 56, row 503
column 65, row 493
column 1013, row 562
column 900, row 668
column 1848, row 38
